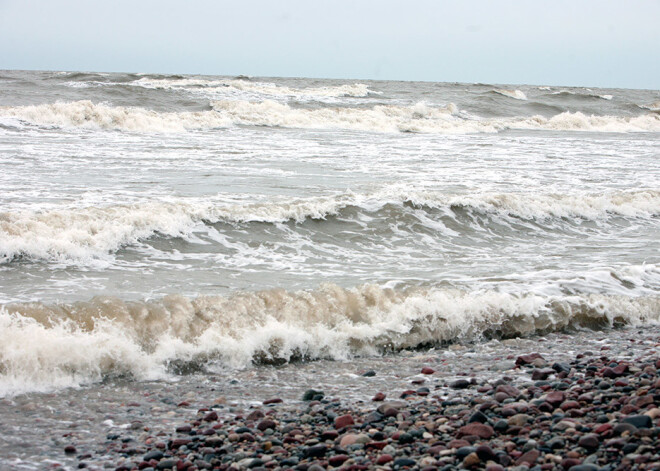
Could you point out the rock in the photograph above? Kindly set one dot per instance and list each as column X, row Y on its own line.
column 584, row 467
column 528, row 359
column 369, row 374
column 555, row 398
column 315, row 451
column 254, row 415
column 639, row 421
column 153, row 455
column 267, row 424
column 378, row 397
column 406, row 438
column 485, row 453
column 384, row 459
column 69, row 449
column 337, row 460
column 344, row 421
column 313, row 395
column 541, row 374
column 275, row 400
column 471, row 460
column 399, row 462
column 463, row 451
column 166, row 464
column 478, row 417
column 460, row 384
column 561, row 367
column 476, row 428
column 589, row 441
column 518, row 420
column 624, row 427
column 530, row 457
column 427, row 370
column 509, row 390
column 211, row 417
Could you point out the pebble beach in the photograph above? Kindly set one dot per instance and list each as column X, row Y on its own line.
column 584, row 401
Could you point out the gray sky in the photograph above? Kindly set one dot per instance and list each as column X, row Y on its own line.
column 589, row 43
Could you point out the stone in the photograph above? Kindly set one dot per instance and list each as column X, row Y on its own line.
column 541, row 374
column 478, row 416
column 378, row 397
column 639, row 421
column 313, row 395
column 267, row 424
column 315, row 451
column 555, row 398
column 344, row 421
column 589, row 441
column 337, row 460
column 211, row 417
column 399, row 462
column 528, row 359
column 384, row 459
column 369, row 374
column 460, row 384
column 530, row 457
column 471, row 460
column 476, row 428
column 153, row 455
column 275, row 400
column 427, row 370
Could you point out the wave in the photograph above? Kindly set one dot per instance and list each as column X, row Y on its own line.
column 264, row 88
column 580, row 95
column 44, row 347
column 82, row 235
column 85, row 114
column 420, row 118
column 515, row 94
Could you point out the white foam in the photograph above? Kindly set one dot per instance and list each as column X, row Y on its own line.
column 263, row 88
column 420, row 118
column 48, row 347
column 83, row 235
column 85, row 114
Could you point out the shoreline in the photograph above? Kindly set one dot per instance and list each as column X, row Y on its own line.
column 584, row 401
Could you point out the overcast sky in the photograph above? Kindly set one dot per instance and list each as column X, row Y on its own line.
column 588, row 43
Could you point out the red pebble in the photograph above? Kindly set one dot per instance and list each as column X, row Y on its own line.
column 343, row 421
column 427, row 370
column 378, row 397
column 383, row 459
column 337, row 460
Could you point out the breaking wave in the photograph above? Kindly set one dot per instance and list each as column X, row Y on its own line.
column 85, row 114
column 515, row 94
column 264, row 88
column 85, row 234
column 419, row 118
column 52, row 346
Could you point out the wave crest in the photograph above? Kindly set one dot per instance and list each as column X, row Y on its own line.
column 46, row 346
column 85, row 234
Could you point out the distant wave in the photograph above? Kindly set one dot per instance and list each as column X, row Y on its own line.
column 46, row 347
column 419, row 118
column 580, row 95
column 85, row 114
column 84, row 234
column 515, row 94
column 264, row 88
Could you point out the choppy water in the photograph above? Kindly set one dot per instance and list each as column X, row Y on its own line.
column 152, row 221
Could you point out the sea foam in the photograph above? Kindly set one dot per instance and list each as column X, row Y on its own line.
column 45, row 347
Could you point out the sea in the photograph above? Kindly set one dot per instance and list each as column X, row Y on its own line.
column 164, row 233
